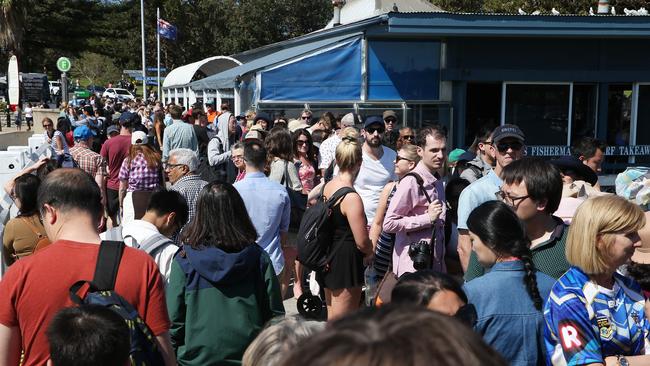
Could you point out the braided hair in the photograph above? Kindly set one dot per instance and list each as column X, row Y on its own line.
column 500, row 229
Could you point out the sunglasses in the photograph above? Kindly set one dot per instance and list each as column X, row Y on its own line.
column 398, row 158
column 408, row 137
column 47, row 125
column 301, row 142
column 303, row 117
column 372, row 130
column 504, row 146
column 390, row 121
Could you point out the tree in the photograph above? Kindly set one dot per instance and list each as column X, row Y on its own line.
column 95, row 68
column 12, row 15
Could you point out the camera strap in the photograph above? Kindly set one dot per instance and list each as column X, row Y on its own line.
column 420, row 182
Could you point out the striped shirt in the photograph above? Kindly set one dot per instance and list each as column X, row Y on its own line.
column 549, row 257
column 385, row 245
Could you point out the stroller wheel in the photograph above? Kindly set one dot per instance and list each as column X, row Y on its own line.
column 310, row 306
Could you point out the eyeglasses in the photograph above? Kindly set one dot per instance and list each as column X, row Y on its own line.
column 372, row 130
column 236, row 157
column 510, row 200
column 504, row 146
column 398, row 158
column 171, row 166
column 408, row 137
column 301, row 142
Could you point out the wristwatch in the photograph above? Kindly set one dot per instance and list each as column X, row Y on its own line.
column 622, row 361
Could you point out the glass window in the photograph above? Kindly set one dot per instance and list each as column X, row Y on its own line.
column 336, row 109
column 423, row 115
column 643, row 121
column 619, row 116
column 368, row 109
column 583, row 122
column 403, row 70
column 282, row 110
column 540, row 110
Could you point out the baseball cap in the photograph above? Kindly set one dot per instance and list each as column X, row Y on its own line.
column 507, row 130
column 455, row 154
column 253, row 135
column 139, row 138
column 372, row 120
column 389, row 114
column 240, row 116
column 348, row 120
column 83, row 133
column 112, row 129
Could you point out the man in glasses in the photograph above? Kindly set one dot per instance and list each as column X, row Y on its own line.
column 391, row 135
column 508, row 143
column 532, row 187
column 378, row 167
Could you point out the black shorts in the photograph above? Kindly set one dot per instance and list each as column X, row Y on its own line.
column 112, row 202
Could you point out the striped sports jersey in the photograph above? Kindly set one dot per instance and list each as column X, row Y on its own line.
column 586, row 323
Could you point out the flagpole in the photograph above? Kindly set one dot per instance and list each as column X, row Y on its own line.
column 144, row 65
column 158, row 41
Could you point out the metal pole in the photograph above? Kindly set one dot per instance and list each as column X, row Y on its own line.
column 144, row 63
column 158, row 42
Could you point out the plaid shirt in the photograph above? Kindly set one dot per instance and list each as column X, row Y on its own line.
column 139, row 175
column 190, row 186
column 88, row 160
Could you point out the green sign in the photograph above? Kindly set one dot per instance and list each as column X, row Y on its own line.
column 63, row 64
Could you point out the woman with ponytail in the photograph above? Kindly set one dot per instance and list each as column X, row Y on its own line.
column 509, row 298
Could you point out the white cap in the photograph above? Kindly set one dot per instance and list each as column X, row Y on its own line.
column 138, row 138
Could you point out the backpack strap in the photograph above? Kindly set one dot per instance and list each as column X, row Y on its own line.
column 420, row 183
column 153, row 243
column 108, row 262
column 342, row 192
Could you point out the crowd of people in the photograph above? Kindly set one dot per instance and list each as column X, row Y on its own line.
column 477, row 256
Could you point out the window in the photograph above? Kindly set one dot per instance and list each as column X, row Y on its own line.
column 643, row 121
column 540, row 110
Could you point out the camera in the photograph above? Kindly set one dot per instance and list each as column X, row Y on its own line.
column 420, row 253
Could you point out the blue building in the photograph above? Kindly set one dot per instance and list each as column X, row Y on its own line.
column 557, row 77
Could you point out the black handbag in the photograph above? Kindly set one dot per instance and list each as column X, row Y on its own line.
column 298, row 201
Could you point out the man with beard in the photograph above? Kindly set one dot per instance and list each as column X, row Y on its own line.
column 378, row 167
column 416, row 206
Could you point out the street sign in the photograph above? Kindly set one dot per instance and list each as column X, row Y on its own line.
column 63, row 64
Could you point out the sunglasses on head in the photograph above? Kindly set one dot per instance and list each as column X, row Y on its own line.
column 504, row 146
column 372, row 130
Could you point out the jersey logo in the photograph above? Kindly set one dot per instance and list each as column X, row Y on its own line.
column 570, row 336
column 605, row 328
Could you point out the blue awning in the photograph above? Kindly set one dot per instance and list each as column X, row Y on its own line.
column 226, row 79
column 330, row 74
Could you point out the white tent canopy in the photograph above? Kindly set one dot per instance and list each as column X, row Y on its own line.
column 181, row 76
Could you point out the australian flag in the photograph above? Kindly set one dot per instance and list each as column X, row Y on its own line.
column 166, row 29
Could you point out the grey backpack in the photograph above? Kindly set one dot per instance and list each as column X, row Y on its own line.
column 151, row 245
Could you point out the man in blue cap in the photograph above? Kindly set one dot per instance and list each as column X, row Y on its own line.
column 88, row 160
column 378, row 167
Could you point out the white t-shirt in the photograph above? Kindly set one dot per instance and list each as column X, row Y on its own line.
column 28, row 112
column 372, row 178
column 141, row 230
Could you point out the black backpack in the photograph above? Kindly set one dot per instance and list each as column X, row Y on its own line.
column 144, row 349
column 315, row 233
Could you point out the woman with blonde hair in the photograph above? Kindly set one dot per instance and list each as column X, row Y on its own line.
column 141, row 173
column 344, row 278
column 595, row 316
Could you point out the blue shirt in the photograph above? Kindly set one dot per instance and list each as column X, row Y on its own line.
column 475, row 194
column 269, row 207
column 586, row 323
column 179, row 135
column 506, row 316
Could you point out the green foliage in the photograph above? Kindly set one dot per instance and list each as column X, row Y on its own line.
column 94, row 69
column 111, row 28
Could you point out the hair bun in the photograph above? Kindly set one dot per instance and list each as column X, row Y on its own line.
column 349, row 139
